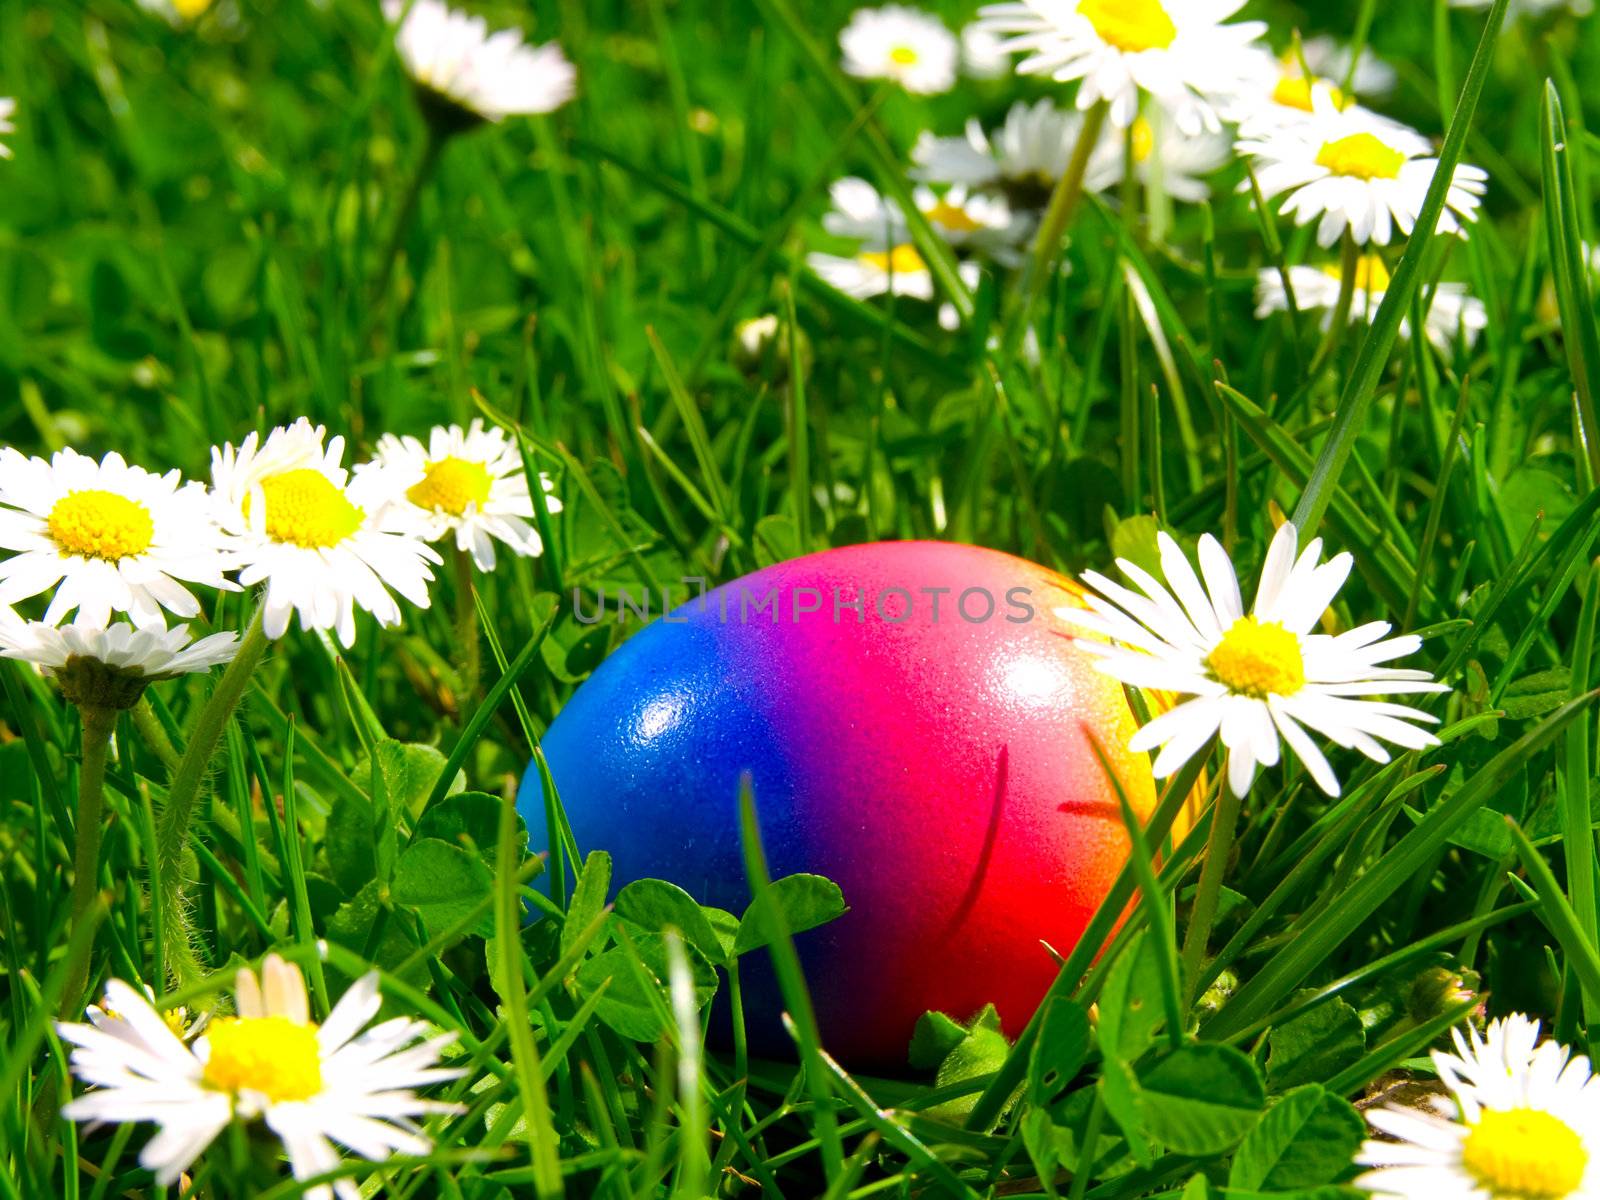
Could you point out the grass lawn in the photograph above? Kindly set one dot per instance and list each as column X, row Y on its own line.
column 736, row 289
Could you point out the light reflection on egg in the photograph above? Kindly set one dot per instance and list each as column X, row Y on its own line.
column 658, row 716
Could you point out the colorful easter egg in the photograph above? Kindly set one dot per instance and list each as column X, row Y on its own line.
column 916, row 725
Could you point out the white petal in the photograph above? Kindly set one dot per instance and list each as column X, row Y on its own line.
column 1221, row 581
column 1183, row 581
column 1275, row 570
column 355, row 1008
column 1304, row 749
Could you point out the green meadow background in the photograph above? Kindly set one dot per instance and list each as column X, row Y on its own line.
column 202, row 233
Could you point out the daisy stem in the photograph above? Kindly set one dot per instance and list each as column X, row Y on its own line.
column 1047, row 245
column 431, row 150
column 242, row 1163
column 1224, row 822
column 98, row 724
column 155, row 734
column 470, row 666
column 1158, row 197
column 177, row 814
column 1349, row 262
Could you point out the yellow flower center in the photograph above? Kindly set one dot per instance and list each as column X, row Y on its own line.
column 1294, row 91
column 275, row 1056
column 1258, row 658
column 1362, row 155
column 903, row 56
column 305, row 508
column 952, row 217
column 902, row 260
column 1525, row 1153
column 100, row 524
column 175, row 1019
column 1143, row 137
column 1130, row 25
column 1371, row 274
column 190, row 9
column 451, row 485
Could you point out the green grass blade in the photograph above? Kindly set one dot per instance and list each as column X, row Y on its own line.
column 894, row 1133
column 1362, row 383
column 1380, row 555
column 1157, row 906
column 791, row 982
column 1577, row 777
column 492, row 699
column 798, row 429
column 936, row 252
column 1290, row 966
column 861, row 314
column 716, row 487
column 1570, row 267
column 1390, row 1054
column 1582, row 955
column 543, row 1145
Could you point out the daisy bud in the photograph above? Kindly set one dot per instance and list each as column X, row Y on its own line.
column 1436, row 991
column 761, row 347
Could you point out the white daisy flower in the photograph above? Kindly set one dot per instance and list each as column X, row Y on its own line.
column 1023, row 159
column 1522, row 1123
column 861, row 213
column 960, row 214
column 114, row 537
column 886, row 259
column 1328, row 57
column 322, row 542
column 151, row 653
column 8, row 108
column 904, row 44
column 459, row 64
column 1287, row 83
column 1358, row 171
column 1316, row 289
column 983, row 56
column 1182, row 53
column 963, row 216
column 1030, row 152
column 178, row 12
column 469, row 482
column 1282, row 94
column 973, row 221
column 312, row 1085
column 1256, row 678
column 1179, row 159
column 967, row 159
column 900, row 269
column 185, row 1026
